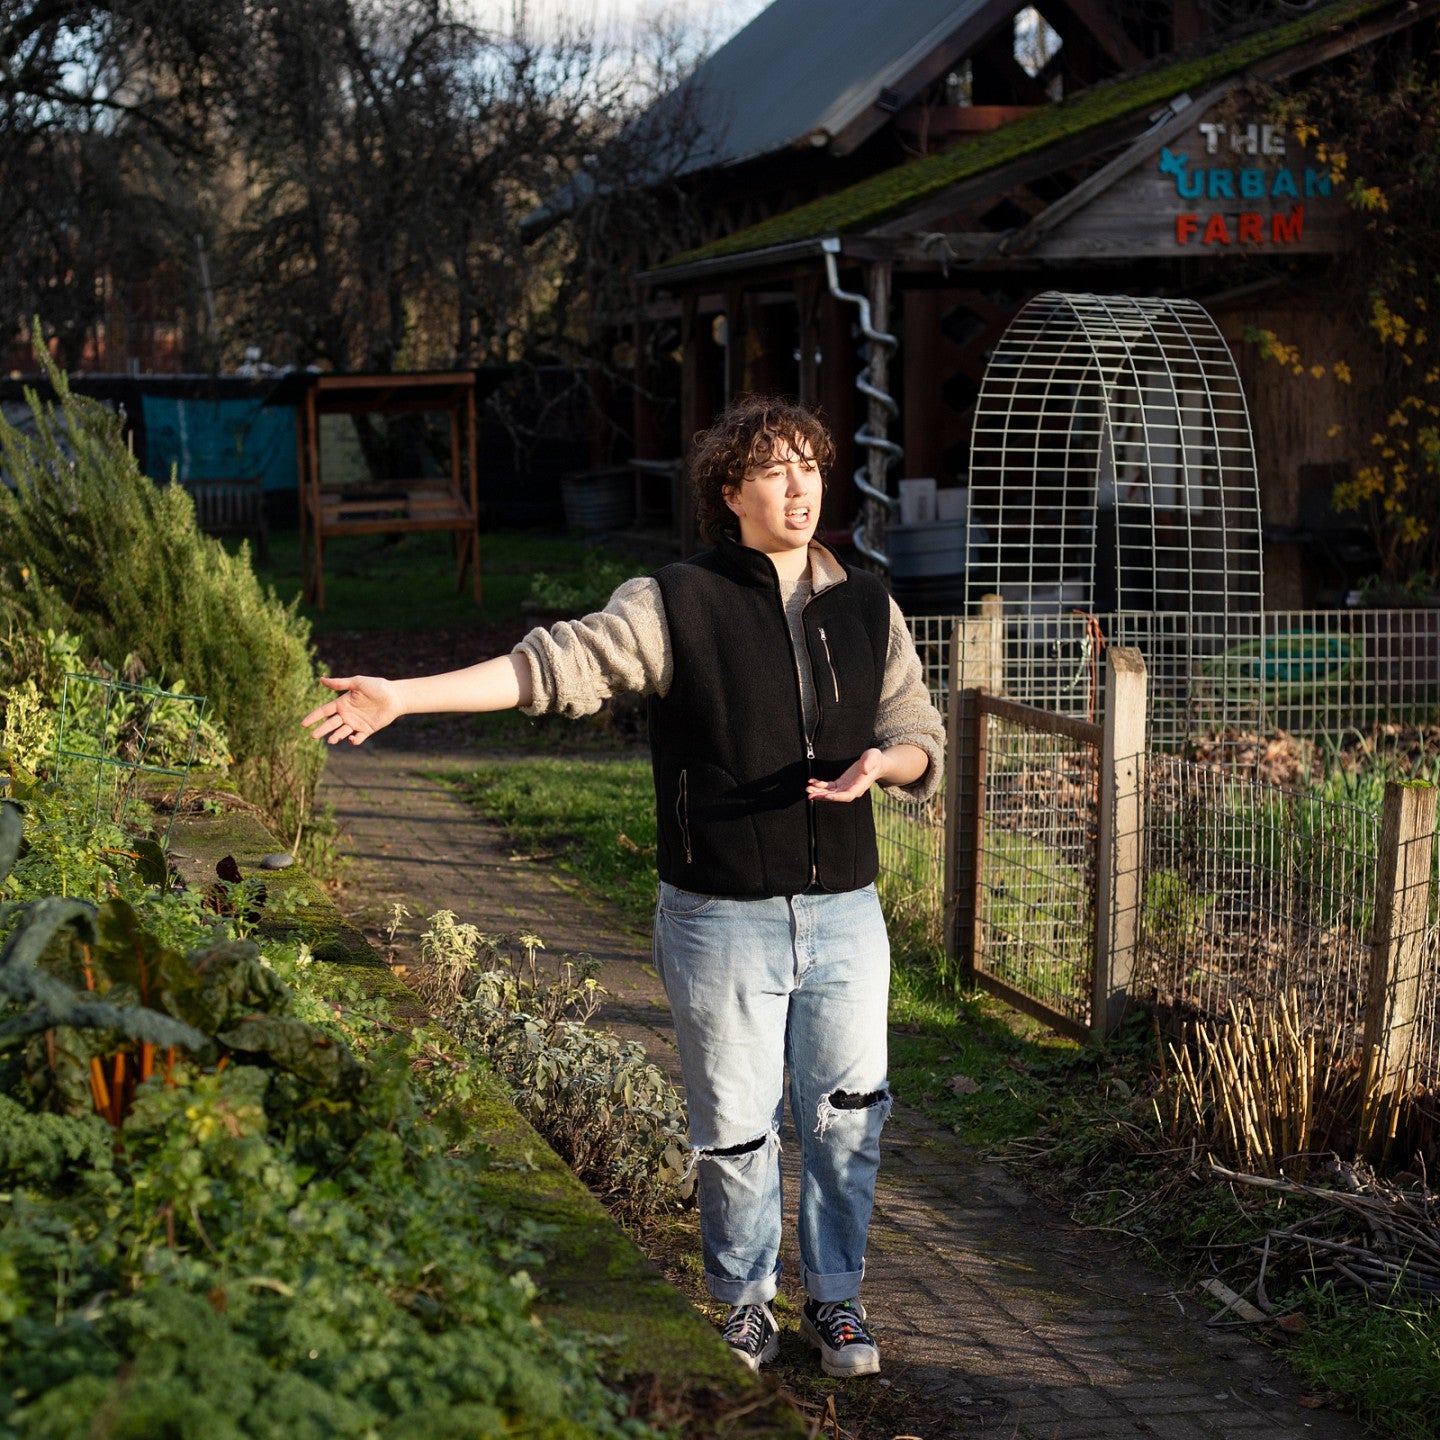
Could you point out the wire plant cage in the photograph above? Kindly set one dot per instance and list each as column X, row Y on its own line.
column 123, row 738
column 1113, row 472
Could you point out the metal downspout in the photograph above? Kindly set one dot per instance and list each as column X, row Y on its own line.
column 864, row 435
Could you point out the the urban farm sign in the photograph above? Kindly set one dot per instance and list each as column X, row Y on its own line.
column 1238, row 186
column 1220, row 187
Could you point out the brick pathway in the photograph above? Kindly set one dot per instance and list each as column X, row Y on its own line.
column 997, row 1315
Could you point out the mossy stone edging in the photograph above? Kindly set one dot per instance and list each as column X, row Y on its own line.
column 594, row 1280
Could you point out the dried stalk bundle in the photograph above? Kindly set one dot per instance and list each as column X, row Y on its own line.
column 1395, row 1249
column 1251, row 1088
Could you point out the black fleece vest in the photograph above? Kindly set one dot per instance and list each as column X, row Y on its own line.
column 728, row 742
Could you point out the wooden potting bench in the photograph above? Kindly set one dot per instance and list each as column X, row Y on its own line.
column 391, row 504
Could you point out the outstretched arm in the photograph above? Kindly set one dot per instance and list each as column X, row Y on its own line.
column 367, row 703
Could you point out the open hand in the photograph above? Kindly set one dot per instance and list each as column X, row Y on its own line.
column 853, row 783
column 366, row 704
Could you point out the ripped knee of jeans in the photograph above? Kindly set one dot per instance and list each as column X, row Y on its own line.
column 844, row 1102
column 737, row 1152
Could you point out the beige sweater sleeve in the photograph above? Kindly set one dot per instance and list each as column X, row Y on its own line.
column 907, row 715
column 576, row 665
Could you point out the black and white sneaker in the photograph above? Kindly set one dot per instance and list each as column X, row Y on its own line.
column 837, row 1329
column 752, row 1335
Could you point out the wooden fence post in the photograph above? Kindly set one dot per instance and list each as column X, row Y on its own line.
column 964, row 817
column 1397, row 947
column 1120, row 841
column 977, row 662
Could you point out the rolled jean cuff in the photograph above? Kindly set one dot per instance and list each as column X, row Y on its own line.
column 744, row 1292
column 825, row 1288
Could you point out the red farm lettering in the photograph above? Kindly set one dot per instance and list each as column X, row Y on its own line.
column 1251, row 229
column 1288, row 229
column 1217, row 232
column 1185, row 228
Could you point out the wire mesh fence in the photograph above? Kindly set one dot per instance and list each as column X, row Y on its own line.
column 1427, row 1017
column 1321, row 674
column 1252, row 891
column 911, row 840
column 911, row 837
column 1037, row 858
column 119, row 737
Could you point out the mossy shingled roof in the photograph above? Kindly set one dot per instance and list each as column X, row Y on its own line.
column 891, row 193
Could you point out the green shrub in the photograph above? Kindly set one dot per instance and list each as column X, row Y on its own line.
column 611, row 1115
column 92, row 547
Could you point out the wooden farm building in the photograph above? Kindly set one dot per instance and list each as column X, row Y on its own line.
column 901, row 154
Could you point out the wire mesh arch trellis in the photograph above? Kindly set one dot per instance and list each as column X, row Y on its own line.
column 1113, row 470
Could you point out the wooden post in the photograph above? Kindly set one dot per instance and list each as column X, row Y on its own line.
column 807, row 298
column 980, row 658
column 1397, row 946
column 1120, row 841
column 734, row 343
column 964, row 814
column 472, row 469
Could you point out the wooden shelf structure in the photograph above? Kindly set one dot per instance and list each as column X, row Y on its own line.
column 392, row 504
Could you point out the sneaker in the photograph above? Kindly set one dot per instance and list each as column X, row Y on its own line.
column 752, row 1335
column 837, row 1329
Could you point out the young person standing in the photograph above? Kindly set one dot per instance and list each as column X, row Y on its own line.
column 783, row 686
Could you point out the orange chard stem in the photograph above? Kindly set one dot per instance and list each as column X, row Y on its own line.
column 98, row 1089
column 147, row 1059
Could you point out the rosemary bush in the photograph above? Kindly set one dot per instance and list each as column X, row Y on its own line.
column 91, row 547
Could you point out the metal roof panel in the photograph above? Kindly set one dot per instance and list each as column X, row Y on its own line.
column 807, row 66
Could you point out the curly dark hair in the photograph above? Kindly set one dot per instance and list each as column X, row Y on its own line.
column 745, row 435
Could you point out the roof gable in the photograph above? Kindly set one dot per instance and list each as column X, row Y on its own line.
column 805, row 71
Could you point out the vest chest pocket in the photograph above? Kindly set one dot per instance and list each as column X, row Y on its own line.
column 830, row 665
column 845, row 669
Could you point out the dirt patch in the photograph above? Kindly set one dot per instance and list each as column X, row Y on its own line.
column 397, row 654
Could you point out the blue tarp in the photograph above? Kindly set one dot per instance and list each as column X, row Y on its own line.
column 218, row 439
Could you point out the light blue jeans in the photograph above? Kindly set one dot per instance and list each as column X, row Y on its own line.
column 755, row 986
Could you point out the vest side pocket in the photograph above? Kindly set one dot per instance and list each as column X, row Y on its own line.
column 682, row 814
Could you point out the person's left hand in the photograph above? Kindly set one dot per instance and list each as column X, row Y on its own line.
column 853, row 783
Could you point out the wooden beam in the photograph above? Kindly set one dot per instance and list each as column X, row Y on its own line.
column 1140, row 150
column 980, row 189
column 1102, row 26
column 972, row 31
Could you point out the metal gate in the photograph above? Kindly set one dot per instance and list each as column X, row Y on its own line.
column 1043, row 846
column 1027, row 828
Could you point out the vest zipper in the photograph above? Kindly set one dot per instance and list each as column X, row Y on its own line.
column 830, row 661
column 810, row 743
column 810, row 815
column 682, row 813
